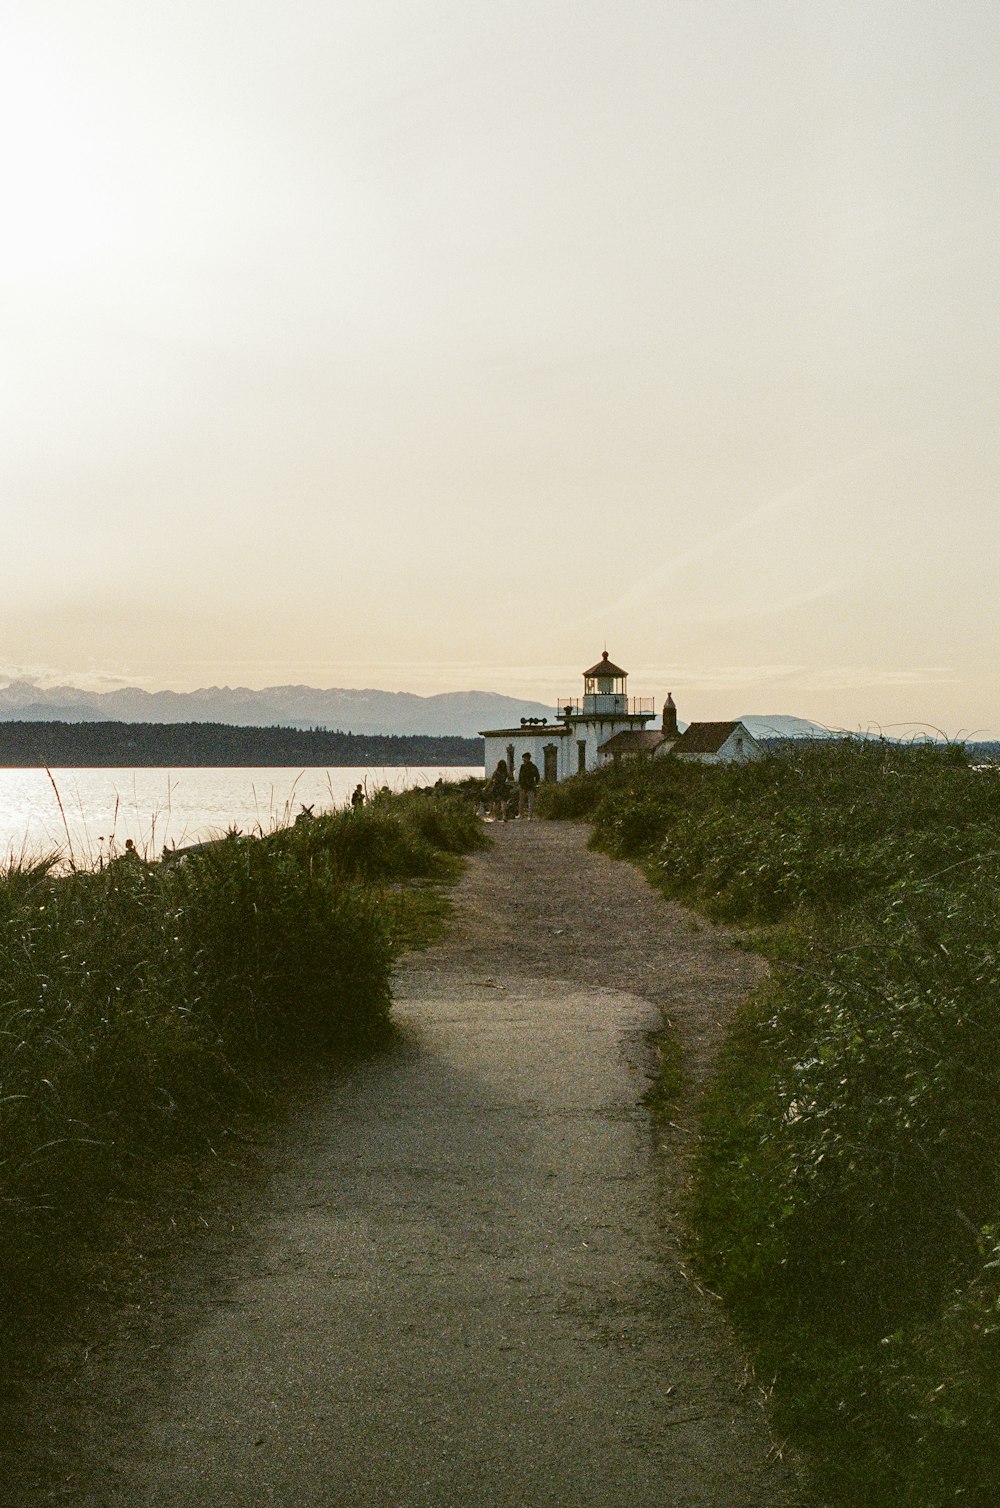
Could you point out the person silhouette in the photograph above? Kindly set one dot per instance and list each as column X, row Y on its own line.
column 500, row 791
column 528, row 777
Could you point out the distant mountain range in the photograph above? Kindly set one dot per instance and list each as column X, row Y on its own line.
column 394, row 712
column 399, row 712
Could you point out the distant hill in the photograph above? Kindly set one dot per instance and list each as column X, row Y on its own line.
column 459, row 713
column 94, row 745
column 779, row 728
column 778, row 725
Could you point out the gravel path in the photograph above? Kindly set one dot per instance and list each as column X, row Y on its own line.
column 458, row 1280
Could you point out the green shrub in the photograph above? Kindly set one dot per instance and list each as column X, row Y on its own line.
column 278, row 952
column 101, row 1054
column 140, row 1004
column 816, row 827
column 849, row 1182
column 447, row 820
column 393, row 837
column 848, row 1189
column 570, row 799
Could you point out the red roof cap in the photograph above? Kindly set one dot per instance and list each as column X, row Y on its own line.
column 605, row 667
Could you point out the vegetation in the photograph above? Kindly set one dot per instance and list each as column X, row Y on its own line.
column 848, row 1195
column 180, row 745
column 142, row 1004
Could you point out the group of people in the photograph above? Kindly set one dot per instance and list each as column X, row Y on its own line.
column 500, row 789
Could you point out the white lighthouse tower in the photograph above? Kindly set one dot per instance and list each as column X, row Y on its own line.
column 569, row 744
column 604, row 711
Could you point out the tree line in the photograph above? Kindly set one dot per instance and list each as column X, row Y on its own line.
column 89, row 745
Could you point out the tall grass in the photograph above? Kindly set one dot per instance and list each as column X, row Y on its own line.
column 140, row 1003
column 848, row 1193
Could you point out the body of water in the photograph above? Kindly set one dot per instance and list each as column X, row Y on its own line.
column 88, row 814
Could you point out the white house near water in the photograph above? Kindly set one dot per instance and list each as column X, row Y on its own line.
column 607, row 725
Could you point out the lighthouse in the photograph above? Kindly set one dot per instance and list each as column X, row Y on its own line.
column 569, row 743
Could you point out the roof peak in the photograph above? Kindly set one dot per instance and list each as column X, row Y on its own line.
column 605, row 666
column 707, row 738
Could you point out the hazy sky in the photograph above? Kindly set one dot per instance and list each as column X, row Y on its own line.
column 433, row 345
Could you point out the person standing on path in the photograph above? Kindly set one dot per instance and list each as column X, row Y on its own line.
column 527, row 784
column 499, row 791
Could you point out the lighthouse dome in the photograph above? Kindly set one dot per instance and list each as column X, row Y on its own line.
column 605, row 667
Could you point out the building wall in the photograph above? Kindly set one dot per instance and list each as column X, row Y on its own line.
column 526, row 741
column 594, row 734
column 740, row 748
column 591, row 733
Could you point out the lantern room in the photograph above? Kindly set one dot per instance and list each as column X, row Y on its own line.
column 604, row 688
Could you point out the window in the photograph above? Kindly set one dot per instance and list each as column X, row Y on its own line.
column 581, row 755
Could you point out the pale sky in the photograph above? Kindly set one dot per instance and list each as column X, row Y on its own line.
column 431, row 346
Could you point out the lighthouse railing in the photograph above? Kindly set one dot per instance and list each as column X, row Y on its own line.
column 610, row 703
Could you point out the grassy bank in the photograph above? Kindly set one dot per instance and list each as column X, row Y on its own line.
column 142, row 1006
column 848, row 1193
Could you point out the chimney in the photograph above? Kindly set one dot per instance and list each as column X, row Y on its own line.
column 669, row 718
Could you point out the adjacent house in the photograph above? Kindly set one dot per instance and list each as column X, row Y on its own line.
column 710, row 743
column 717, row 743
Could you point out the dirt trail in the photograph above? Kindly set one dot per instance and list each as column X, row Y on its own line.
column 457, row 1279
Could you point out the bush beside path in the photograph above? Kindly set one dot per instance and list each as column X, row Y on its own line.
column 847, row 1190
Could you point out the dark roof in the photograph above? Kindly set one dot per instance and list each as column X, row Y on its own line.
column 605, row 667
column 705, row 738
column 554, row 730
column 633, row 741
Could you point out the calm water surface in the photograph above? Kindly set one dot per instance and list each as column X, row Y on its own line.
column 86, row 814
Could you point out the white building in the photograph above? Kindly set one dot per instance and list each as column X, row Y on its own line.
column 570, row 743
column 706, row 743
column 717, row 743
